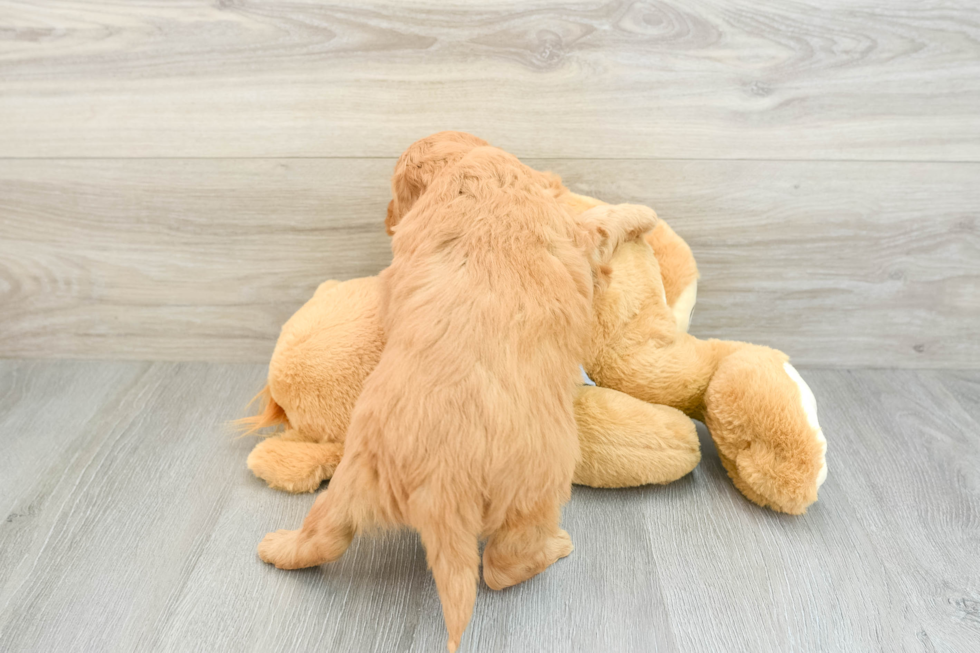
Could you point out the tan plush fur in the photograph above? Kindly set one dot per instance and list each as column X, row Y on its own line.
column 624, row 441
column 324, row 354
column 465, row 428
column 674, row 259
column 761, row 448
column 639, row 352
column 752, row 408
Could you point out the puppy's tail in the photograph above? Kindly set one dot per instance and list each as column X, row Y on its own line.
column 452, row 549
column 272, row 415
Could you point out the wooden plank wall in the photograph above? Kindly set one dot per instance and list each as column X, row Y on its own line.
column 176, row 178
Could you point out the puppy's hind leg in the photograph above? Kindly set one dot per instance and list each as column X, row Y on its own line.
column 327, row 530
column 525, row 545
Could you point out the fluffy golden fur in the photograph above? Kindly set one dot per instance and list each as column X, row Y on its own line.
column 419, row 165
column 466, row 428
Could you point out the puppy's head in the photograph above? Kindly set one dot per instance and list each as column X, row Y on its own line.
column 419, row 165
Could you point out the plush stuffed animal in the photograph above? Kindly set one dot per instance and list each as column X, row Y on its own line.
column 652, row 376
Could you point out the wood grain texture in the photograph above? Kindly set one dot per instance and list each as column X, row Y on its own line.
column 137, row 531
column 178, row 259
column 813, row 79
column 965, row 388
column 837, row 263
column 886, row 560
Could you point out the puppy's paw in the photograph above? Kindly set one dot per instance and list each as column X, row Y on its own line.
column 561, row 545
column 282, row 549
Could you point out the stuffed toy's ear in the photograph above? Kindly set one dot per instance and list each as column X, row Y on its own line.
column 419, row 165
column 605, row 228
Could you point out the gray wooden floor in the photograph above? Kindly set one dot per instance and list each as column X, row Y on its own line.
column 131, row 524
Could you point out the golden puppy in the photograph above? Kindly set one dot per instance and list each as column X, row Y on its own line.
column 465, row 428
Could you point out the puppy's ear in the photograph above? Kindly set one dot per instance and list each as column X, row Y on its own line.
column 390, row 220
column 419, row 165
column 607, row 227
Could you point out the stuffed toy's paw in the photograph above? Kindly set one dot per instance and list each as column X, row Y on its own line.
column 763, row 419
column 294, row 466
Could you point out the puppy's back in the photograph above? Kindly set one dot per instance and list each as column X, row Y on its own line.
column 487, row 309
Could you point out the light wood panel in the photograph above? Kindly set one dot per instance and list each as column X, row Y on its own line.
column 196, row 259
column 844, row 79
column 137, row 531
column 839, row 264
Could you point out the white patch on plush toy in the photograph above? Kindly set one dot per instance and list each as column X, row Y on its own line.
column 810, row 408
column 684, row 306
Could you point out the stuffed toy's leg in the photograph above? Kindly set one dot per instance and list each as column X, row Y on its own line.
column 763, row 419
column 760, row 413
column 627, row 442
column 324, row 353
column 294, row 463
